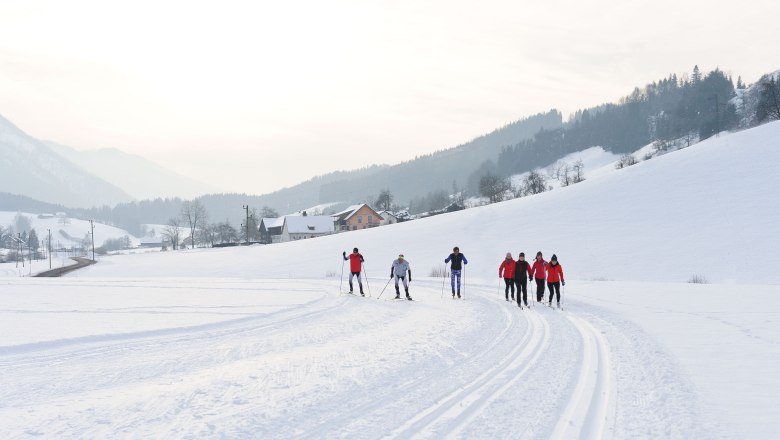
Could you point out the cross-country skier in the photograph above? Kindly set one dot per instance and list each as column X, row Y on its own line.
column 538, row 272
column 399, row 270
column 458, row 260
column 522, row 271
column 554, row 279
column 355, row 266
column 507, row 271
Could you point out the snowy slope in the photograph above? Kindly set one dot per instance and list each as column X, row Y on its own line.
column 596, row 161
column 136, row 175
column 29, row 167
column 666, row 219
column 256, row 342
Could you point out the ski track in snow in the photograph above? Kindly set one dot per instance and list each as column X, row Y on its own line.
column 342, row 366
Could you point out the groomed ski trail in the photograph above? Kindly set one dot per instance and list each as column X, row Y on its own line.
column 331, row 367
column 590, row 412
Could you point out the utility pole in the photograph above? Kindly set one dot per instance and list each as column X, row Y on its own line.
column 29, row 254
column 92, row 225
column 246, row 208
column 49, row 230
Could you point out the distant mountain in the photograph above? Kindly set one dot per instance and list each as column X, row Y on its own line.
column 29, row 167
column 137, row 176
column 407, row 180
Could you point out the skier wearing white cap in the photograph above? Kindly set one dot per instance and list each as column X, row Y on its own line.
column 400, row 270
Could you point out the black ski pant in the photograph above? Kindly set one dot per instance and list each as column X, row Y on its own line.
column 510, row 284
column 360, row 283
column 557, row 288
column 539, row 289
column 522, row 287
column 406, row 285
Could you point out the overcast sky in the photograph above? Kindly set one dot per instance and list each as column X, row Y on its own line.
column 253, row 96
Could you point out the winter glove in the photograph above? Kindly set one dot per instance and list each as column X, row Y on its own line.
column 530, row 278
column 344, row 254
column 564, row 282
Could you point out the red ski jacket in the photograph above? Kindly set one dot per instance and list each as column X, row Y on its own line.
column 355, row 262
column 554, row 273
column 537, row 270
column 507, row 268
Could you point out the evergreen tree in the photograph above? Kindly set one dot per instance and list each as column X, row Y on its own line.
column 32, row 240
column 696, row 76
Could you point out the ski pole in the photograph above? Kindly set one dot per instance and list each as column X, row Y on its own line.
column 464, row 281
column 563, row 294
column 365, row 277
column 383, row 290
column 443, row 280
column 341, row 283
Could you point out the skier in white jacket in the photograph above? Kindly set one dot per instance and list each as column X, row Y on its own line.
column 399, row 270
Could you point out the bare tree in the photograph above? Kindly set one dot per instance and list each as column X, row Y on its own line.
column 172, row 231
column 534, row 183
column 226, row 233
column 626, row 160
column 268, row 212
column 493, row 187
column 578, row 171
column 385, row 200
column 193, row 213
column 560, row 171
column 768, row 101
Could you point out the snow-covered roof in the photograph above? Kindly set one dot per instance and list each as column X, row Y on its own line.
column 272, row 222
column 151, row 240
column 310, row 224
column 388, row 213
column 349, row 212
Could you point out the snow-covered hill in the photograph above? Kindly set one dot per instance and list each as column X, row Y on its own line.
column 139, row 177
column 698, row 211
column 29, row 167
column 67, row 232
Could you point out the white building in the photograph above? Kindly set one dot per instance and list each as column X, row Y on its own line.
column 303, row 227
column 388, row 218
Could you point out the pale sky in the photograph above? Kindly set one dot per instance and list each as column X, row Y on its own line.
column 252, row 96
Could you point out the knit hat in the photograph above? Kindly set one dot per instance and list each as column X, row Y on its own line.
column 539, row 254
column 509, row 255
column 354, row 250
column 554, row 258
column 522, row 254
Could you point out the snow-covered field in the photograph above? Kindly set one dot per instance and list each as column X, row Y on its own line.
column 19, row 269
column 69, row 233
column 256, row 342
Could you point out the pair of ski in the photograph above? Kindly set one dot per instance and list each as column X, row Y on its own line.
column 396, row 298
column 354, row 294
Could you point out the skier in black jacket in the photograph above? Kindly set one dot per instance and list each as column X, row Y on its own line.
column 457, row 258
column 522, row 271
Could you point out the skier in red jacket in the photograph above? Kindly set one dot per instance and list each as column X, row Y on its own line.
column 538, row 272
column 555, row 279
column 507, row 271
column 355, row 267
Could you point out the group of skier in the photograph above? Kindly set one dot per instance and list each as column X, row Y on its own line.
column 513, row 272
